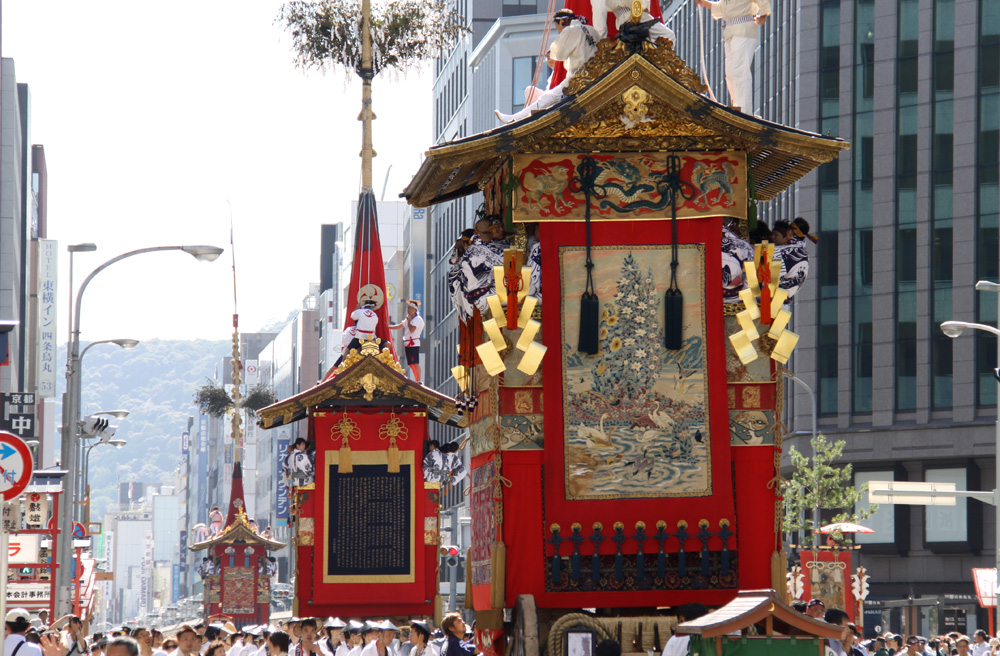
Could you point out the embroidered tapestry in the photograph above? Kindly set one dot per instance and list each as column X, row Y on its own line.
column 238, row 591
column 483, row 529
column 635, row 415
column 632, row 186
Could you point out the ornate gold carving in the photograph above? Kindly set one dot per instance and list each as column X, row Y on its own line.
column 610, row 53
column 369, row 348
column 635, row 99
column 731, row 391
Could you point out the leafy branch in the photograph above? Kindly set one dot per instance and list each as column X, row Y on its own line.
column 404, row 32
column 213, row 400
column 818, row 483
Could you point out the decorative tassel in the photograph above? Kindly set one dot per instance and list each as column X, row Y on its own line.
column 393, row 457
column 437, row 609
column 673, row 319
column 589, row 323
column 673, row 301
column 783, row 579
column 777, row 571
column 589, row 343
column 498, row 565
column 344, row 465
column 469, row 598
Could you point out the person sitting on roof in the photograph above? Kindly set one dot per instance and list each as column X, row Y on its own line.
column 575, row 45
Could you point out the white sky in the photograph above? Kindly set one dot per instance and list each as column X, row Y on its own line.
column 154, row 114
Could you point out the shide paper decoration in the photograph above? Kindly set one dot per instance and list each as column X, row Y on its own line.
column 762, row 276
column 512, row 281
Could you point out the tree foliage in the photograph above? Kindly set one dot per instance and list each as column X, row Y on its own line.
column 404, row 32
column 818, row 482
column 213, row 400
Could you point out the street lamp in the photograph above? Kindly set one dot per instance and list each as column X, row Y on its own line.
column 72, row 411
column 812, row 401
column 927, row 493
column 127, row 344
column 117, row 443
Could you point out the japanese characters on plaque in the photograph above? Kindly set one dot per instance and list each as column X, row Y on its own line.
column 48, row 256
column 17, row 414
column 12, row 516
column 370, row 524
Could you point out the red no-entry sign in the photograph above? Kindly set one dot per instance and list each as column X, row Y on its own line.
column 15, row 465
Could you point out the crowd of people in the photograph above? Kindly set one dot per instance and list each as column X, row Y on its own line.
column 69, row 636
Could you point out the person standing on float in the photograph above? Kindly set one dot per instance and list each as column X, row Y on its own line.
column 741, row 19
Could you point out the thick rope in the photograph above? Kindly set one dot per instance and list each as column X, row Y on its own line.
column 540, row 62
column 701, row 50
column 573, row 620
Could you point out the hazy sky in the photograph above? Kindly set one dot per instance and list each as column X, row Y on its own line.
column 154, row 114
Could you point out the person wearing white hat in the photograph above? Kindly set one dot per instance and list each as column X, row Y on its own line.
column 18, row 622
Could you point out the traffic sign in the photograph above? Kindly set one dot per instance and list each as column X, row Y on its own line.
column 79, row 532
column 15, row 465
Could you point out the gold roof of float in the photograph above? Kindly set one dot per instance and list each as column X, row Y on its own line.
column 622, row 102
column 369, row 377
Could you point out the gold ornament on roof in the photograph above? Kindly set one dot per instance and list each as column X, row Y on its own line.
column 635, row 104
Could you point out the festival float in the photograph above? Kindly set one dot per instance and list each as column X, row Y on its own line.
column 625, row 435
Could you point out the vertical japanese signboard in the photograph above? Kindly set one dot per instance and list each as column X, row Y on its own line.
column 281, row 506
column 48, row 256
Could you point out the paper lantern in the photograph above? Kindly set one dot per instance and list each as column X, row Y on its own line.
column 783, row 349
column 528, row 334
column 491, row 358
column 492, row 329
column 747, row 296
column 527, row 308
column 746, row 323
column 743, row 346
column 532, row 358
column 498, row 283
column 496, row 309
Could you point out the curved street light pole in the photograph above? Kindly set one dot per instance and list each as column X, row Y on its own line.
column 71, row 419
column 953, row 329
column 126, row 344
column 812, row 400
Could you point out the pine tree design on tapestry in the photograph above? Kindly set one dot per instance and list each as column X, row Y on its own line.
column 630, row 338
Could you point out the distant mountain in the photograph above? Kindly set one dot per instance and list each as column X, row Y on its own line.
column 155, row 382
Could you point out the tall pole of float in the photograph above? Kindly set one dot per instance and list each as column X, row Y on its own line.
column 367, row 115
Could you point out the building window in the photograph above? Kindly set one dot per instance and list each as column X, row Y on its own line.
column 942, row 158
column 987, row 197
column 523, row 76
column 518, row 7
column 828, row 221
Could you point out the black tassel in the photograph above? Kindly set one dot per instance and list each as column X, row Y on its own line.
column 673, row 322
column 589, row 305
column 673, row 301
column 589, row 323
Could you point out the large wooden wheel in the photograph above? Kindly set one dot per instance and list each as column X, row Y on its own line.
column 524, row 635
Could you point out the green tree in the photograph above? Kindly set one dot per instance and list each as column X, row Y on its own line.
column 818, row 482
column 404, row 32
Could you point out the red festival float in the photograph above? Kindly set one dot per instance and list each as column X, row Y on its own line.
column 624, row 451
